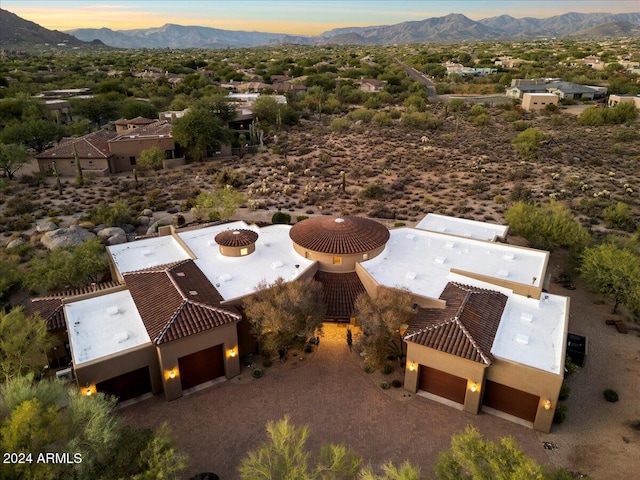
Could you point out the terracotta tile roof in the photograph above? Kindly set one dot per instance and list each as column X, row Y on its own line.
column 340, row 291
column 92, row 145
column 135, row 121
column 177, row 301
column 339, row 235
column 50, row 307
column 465, row 328
column 236, row 238
column 157, row 128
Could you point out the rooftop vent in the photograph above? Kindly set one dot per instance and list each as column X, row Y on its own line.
column 122, row 336
column 411, row 275
column 180, row 274
column 441, row 229
column 508, row 256
column 113, row 310
column 276, row 264
column 410, row 236
column 503, row 273
column 145, row 253
column 339, row 220
column 193, row 292
column 449, row 245
column 527, row 317
column 522, row 339
column 439, row 260
column 225, row 277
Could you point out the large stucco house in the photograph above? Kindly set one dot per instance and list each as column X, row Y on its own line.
column 485, row 337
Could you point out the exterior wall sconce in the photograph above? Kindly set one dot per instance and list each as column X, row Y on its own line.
column 547, row 405
column 171, row 374
column 474, row 387
column 412, row 366
column 89, row 390
column 232, row 352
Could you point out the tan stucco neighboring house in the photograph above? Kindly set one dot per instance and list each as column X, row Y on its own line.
column 129, row 144
column 538, row 101
column 92, row 151
column 616, row 99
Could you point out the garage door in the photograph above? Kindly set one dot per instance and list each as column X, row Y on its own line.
column 510, row 400
column 201, row 367
column 442, row 384
column 128, row 385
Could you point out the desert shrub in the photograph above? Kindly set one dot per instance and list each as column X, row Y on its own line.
column 611, row 395
column 499, row 199
column 18, row 205
column 16, row 224
column 560, row 415
column 627, row 135
column 477, row 110
column 619, row 216
column 421, row 120
column 368, row 368
column 267, row 362
column 481, row 120
column 399, row 224
column 373, row 191
column 300, row 218
column 621, row 113
column 382, row 119
column 527, row 142
column 281, row 218
column 569, row 367
column 308, row 349
column 364, row 114
column 395, row 114
column 520, row 193
column 117, row 213
column 340, row 125
column 385, row 385
column 396, row 383
column 387, row 369
column 520, row 125
column 511, row 116
column 226, row 176
column 257, row 373
column 565, row 390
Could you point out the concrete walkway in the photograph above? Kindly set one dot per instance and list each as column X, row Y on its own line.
column 329, row 391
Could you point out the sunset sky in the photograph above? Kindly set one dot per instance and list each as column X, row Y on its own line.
column 307, row 17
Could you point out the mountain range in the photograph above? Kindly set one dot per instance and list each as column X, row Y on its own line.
column 454, row 27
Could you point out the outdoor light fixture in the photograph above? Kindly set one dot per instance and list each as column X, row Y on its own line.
column 89, row 390
column 232, row 352
column 412, row 366
column 547, row 404
column 171, row 374
column 473, row 386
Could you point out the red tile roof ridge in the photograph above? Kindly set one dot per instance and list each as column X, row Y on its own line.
column 471, row 289
column 165, row 267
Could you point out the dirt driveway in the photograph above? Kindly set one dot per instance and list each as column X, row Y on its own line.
column 331, row 393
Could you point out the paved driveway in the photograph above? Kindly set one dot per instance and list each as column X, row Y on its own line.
column 331, row 393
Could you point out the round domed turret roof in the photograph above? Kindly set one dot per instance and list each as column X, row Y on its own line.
column 339, row 235
column 236, row 238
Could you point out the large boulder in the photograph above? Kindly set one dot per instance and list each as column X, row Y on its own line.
column 46, row 227
column 110, row 232
column 117, row 239
column 16, row 243
column 147, row 212
column 66, row 237
column 144, row 221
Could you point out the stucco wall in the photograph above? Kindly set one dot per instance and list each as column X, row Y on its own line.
column 169, row 353
column 132, row 147
column 67, row 168
column 347, row 263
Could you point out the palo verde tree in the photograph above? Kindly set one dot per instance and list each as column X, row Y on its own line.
column 199, row 129
column 219, row 204
column 24, row 341
column 284, row 456
column 281, row 312
column 527, row 143
column 473, row 458
column 547, row 227
column 33, row 422
column 151, row 159
column 12, row 158
column 613, row 271
column 382, row 320
column 68, row 267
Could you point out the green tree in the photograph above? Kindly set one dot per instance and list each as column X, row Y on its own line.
column 24, row 341
column 406, row 471
column 96, row 110
column 284, row 457
column 615, row 272
column 220, row 204
column 220, row 106
column 161, row 459
column 199, row 129
column 619, row 215
column 151, row 159
column 136, row 108
column 547, row 227
column 10, row 276
column 527, row 143
column 68, row 267
column 114, row 214
column 283, row 311
column 12, row 158
column 382, row 320
column 33, row 133
column 472, row 458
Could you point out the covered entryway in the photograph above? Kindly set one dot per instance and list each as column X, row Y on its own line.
column 510, row 400
column 128, row 385
column 201, row 367
column 442, row 384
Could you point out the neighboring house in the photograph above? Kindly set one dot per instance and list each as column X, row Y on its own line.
column 92, row 151
column 128, row 145
column 371, row 85
column 123, row 124
column 616, row 99
column 538, row 101
column 572, row 91
column 564, row 90
column 485, row 335
column 518, row 91
column 594, row 62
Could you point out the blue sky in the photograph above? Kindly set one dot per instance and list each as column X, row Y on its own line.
column 308, row 17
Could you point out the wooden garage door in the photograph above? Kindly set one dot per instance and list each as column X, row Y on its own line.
column 128, row 385
column 442, row 384
column 510, row 400
column 201, row 367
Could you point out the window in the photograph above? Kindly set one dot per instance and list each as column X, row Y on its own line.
column 365, row 256
column 132, row 160
column 337, row 260
column 307, row 254
column 244, row 251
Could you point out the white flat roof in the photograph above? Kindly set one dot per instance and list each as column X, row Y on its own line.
column 462, row 227
column 420, row 261
column 235, row 277
column 146, row 253
column 104, row 325
column 531, row 332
